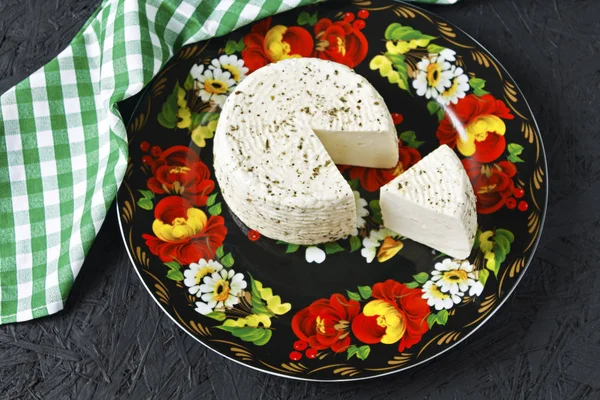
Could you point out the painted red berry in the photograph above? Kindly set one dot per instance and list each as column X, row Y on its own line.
column 519, row 192
column 523, row 206
column 300, row 345
column 511, row 203
column 397, row 118
column 295, row 356
column 156, row 151
column 359, row 24
column 364, row 14
column 349, row 17
column 311, row 353
column 147, row 160
column 145, row 146
column 253, row 235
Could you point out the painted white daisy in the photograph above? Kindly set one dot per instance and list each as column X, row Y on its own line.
column 372, row 242
column 214, row 85
column 448, row 54
column 314, row 254
column 232, row 64
column 457, row 90
column 361, row 211
column 197, row 71
column 433, row 76
column 454, row 277
column 220, row 290
column 197, row 272
column 435, row 298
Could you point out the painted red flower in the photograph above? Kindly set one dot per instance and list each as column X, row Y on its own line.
column 265, row 44
column 179, row 171
column 397, row 315
column 326, row 323
column 371, row 179
column 184, row 233
column 340, row 42
column 492, row 183
column 482, row 119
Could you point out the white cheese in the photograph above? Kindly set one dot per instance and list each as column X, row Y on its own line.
column 433, row 203
column 279, row 137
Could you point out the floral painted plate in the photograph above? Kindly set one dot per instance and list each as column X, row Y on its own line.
column 374, row 303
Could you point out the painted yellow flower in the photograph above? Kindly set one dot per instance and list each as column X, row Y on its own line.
column 183, row 111
column 274, row 303
column 389, row 248
column 490, row 258
column 402, row 47
column 203, row 132
column 180, row 228
column 485, row 241
column 388, row 317
column 253, row 320
column 478, row 130
column 384, row 66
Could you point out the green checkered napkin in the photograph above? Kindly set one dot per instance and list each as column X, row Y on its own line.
column 63, row 147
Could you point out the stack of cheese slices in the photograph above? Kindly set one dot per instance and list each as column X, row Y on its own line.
column 280, row 136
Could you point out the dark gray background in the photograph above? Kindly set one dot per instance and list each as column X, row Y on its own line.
column 114, row 342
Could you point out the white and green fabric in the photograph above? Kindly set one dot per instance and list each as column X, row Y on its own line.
column 63, row 147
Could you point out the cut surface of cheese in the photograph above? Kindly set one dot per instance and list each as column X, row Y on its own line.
column 279, row 137
column 433, row 203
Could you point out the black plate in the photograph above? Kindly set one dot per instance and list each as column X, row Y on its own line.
column 333, row 321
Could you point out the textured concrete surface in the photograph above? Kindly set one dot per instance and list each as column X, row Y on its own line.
column 113, row 341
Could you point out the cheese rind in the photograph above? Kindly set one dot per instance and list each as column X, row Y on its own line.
column 279, row 137
column 433, row 203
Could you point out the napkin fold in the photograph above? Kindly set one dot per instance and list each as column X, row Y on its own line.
column 63, row 144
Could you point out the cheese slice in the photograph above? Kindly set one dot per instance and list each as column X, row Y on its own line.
column 279, row 137
column 433, row 203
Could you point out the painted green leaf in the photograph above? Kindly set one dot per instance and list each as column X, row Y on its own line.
column 365, row 291
column 203, row 118
column 219, row 316
column 303, row 18
column 483, row 276
column 409, row 138
column 506, row 233
column 230, row 47
column 355, row 243
column 145, row 204
column 258, row 306
column 363, row 352
column 478, row 85
column 431, row 320
column 433, row 107
column 215, row 209
column 353, row 295
column 435, row 49
column 333, row 247
column 240, row 45
column 442, row 317
column 175, row 275
column 440, row 114
column 397, row 31
column 412, row 285
column 146, row 194
column 168, row 115
column 189, row 82
column 220, row 252
column 211, row 199
column 352, row 350
column 375, row 211
column 421, row 277
column 173, row 265
column 515, row 151
column 353, row 184
column 399, row 64
column 266, row 336
column 227, row 260
column 292, row 248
